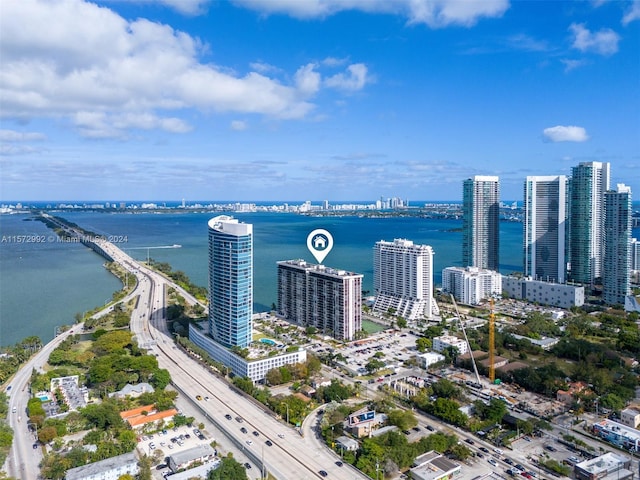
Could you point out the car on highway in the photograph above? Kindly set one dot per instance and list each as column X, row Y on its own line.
column 430, row 428
column 243, row 430
column 493, row 462
column 35, row 446
column 339, row 463
column 520, row 467
column 551, row 448
column 281, row 435
column 508, row 461
column 323, row 473
column 249, row 442
column 255, row 434
column 198, row 397
column 269, row 443
column 239, row 419
column 227, row 416
column 469, row 441
column 484, row 449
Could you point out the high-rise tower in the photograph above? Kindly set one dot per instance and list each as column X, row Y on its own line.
column 230, row 281
column 616, row 274
column 587, row 187
column 544, row 228
column 403, row 279
column 481, row 222
column 322, row 297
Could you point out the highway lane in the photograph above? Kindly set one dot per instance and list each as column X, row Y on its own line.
column 289, row 457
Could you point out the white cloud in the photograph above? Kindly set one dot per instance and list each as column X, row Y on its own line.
column 604, row 42
column 307, row 79
column 633, row 13
column 334, row 62
column 570, row 64
column 238, row 125
column 434, row 13
column 354, row 79
column 186, row 7
column 569, row 133
column 109, row 75
column 15, row 136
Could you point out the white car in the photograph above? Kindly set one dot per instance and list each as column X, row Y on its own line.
column 281, row 435
column 493, row 462
column 249, row 442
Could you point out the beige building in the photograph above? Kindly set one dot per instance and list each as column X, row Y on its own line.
column 630, row 417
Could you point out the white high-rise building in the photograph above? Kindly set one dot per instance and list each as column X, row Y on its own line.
column 616, row 275
column 325, row 298
column 230, row 281
column 481, row 222
column 587, row 186
column 471, row 285
column 544, row 227
column 403, row 279
column 440, row 344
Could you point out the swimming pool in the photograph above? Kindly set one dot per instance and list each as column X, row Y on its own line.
column 268, row 341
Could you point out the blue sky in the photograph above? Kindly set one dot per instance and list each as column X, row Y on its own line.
column 312, row 99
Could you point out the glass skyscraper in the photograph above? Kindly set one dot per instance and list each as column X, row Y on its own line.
column 587, row 187
column 544, row 228
column 481, row 222
column 230, row 281
column 616, row 276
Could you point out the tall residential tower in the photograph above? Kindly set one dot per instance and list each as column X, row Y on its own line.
column 481, row 222
column 325, row 298
column 616, row 273
column 544, row 228
column 587, row 187
column 403, row 279
column 230, row 281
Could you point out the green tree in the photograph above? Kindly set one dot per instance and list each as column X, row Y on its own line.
column 229, row 469
column 403, row 419
column 423, row 344
column 374, row 365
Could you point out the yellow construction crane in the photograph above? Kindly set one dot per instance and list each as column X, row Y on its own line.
column 492, row 342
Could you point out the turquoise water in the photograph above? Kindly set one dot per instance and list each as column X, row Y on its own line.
column 44, row 285
column 268, row 341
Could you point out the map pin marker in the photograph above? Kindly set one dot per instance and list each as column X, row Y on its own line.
column 319, row 243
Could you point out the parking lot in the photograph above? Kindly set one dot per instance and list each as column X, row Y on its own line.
column 174, row 440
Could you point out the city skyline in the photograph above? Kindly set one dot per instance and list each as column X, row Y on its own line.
column 324, row 100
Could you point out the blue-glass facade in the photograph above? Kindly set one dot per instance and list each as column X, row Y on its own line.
column 230, row 281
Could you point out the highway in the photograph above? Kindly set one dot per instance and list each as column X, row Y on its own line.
column 291, row 455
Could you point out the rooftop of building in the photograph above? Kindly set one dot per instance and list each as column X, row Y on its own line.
column 193, row 453
column 432, row 465
column 105, row 465
column 317, row 268
column 618, row 428
column 604, row 463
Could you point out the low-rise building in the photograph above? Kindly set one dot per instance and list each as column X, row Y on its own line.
column 618, row 434
column 256, row 370
column 200, row 453
column 433, row 466
column 133, row 391
column 347, row 443
column 140, row 417
column 630, row 417
column 425, row 360
column 543, row 293
column 440, row 344
column 108, row 469
column 569, row 396
column 609, row 466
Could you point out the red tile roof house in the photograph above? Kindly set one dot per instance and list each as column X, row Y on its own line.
column 140, row 417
